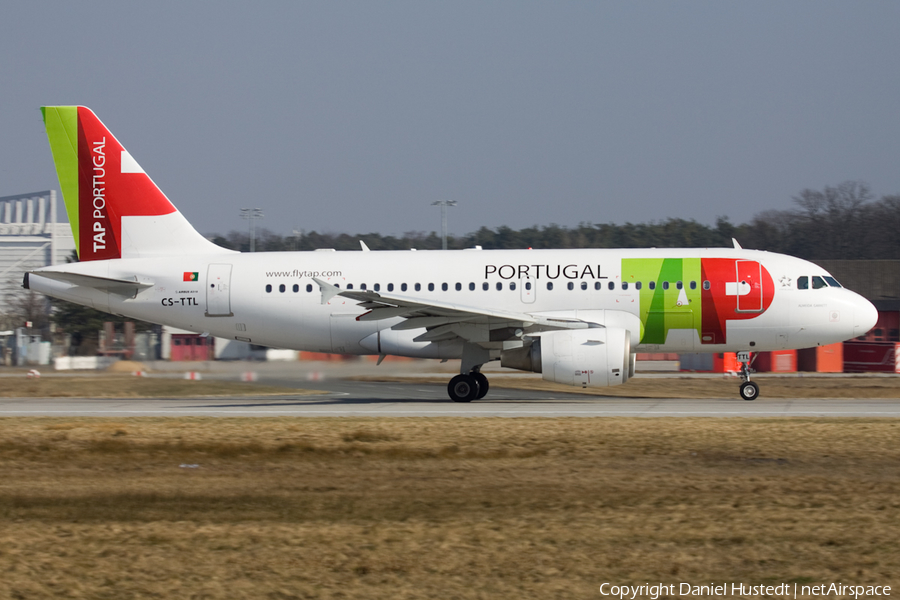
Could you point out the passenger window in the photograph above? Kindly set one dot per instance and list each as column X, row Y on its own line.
column 349, row 286
column 402, row 287
column 584, row 285
column 598, row 285
column 679, row 285
column 377, row 287
column 296, row 288
column 706, row 284
column 512, row 285
column 624, row 285
column 570, row 285
column 458, row 286
column 818, row 282
column 268, row 289
column 418, row 287
column 637, row 285
column 665, row 285
column 430, row 287
column 309, row 287
column 471, row 286
column 443, row 287
column 499, row 285
column 611, row 285
column 362, row 286
column 693, row 285
column 549, row 285
column 803, row 283
column 485, row 286
column 390, row 287
column 281, row 288
column 833, row 282
column 527, row 285
column 652, row 285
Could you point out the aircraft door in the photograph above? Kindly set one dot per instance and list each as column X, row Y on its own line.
column 218, row 291
column 750, row 286
column 528, row 287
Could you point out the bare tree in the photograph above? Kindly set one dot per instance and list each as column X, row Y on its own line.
column 23, row 306
column 831, row 220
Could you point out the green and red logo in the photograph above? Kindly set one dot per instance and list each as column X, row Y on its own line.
column 700, row 294
column 191, row 276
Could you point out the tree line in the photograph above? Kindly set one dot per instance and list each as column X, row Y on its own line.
column 844, row 221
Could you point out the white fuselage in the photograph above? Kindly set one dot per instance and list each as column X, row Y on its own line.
column 271, row 299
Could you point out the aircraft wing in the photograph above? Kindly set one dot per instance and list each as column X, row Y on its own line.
column 445, row 320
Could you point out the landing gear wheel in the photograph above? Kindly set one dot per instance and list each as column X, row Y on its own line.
column 749, row 390
column 463, row 388
column 483, row 385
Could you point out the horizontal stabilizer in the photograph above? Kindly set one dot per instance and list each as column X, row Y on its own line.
column 122, row 287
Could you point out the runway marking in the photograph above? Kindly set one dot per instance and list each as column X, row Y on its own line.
column 506, row 413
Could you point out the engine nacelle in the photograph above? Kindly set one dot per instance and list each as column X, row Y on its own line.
column 598, row 357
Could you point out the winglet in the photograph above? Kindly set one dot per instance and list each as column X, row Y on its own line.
column 736, row 245
column 362, row 245
column 328, row 291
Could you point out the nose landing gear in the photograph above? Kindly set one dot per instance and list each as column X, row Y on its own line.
column 749, row 389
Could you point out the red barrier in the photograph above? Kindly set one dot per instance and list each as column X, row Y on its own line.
column 863, row 357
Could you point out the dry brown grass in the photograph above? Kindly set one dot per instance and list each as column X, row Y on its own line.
column 687, row 386
column 128, row 386
column 440, row 508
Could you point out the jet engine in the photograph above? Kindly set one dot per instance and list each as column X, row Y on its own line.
column 597, row 357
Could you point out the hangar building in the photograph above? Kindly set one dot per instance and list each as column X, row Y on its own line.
column 30, row 237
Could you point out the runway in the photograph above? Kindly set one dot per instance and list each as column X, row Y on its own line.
column 363, row 399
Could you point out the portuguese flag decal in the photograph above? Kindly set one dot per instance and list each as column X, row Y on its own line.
column 188, row 276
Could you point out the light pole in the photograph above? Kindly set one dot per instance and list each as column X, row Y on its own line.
column 251, row 214
column 298, row 233
column 444, row 204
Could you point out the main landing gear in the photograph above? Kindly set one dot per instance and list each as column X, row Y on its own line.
column 749, row 389
column 468, row 387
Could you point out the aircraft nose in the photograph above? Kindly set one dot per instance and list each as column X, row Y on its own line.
column 865, row 315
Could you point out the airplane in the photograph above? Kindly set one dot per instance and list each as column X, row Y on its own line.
column 578, row 317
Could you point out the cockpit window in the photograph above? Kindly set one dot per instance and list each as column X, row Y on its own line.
column 803, row 283
column 833, row 282
column 818, row 282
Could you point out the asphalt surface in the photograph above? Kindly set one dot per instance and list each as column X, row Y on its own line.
column 343, row 398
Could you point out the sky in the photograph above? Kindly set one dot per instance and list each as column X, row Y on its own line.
column 353, row 117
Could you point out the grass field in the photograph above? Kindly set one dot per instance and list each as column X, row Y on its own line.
column 440, row 508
